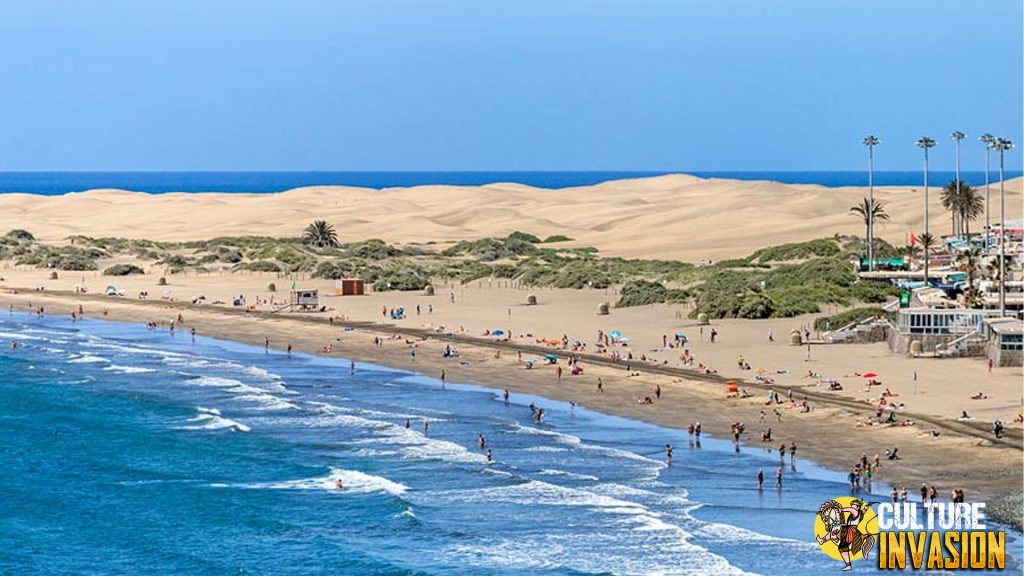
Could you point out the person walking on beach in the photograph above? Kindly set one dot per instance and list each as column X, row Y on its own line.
column 192, row 331
column 714, row 334
column 760, row 479
column 600, row 386
column 782, row 452
column 933, row 494
column 792, row 453
column 657, row 392
column 559, row 372
column 924, row 494
column 266, row 345
column 412, row 354
column 668, row 454
column 289, row 349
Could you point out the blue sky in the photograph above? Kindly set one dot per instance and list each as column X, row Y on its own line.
column 488, row 85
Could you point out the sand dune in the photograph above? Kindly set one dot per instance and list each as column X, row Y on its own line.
column 676, row 216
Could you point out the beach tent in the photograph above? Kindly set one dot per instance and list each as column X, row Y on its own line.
column 731, row 387
column 615, row 334
column 111, row 290
column 498, row 333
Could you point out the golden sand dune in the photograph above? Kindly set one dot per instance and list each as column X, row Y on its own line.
column 676, row 216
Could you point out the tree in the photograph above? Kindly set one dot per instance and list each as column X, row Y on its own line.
column 969, row 261
column 927, row 243
column 964, row 204
column 320, row 234
column 972, row 206
column 870, row 211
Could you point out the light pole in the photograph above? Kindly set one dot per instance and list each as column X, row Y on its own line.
column 871, row 142
column 957, row 136
column 987, row 139
column 926, row 143
column 1002, row 144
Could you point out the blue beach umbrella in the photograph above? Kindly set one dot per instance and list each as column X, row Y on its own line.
column 615, row 334
column 498, row 333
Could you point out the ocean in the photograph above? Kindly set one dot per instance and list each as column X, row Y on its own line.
column 56, row 183
column 130, row 451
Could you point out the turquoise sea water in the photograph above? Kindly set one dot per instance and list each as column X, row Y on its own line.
column 129, row 451
column 54, row 183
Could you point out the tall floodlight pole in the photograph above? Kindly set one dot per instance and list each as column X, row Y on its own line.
column 926, row 143
column 957, row 136
column 871, row 142
column 987, row 139
column 1002, row 145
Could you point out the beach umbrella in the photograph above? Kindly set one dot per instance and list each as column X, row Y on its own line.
column 551, row 357
column 870, row 375
column 615, row 334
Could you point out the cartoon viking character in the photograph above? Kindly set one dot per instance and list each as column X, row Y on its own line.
column 841, row 528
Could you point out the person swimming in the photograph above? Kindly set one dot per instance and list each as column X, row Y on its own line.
column 339, row 485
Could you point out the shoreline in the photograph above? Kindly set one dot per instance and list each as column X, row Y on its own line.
column 961, row 457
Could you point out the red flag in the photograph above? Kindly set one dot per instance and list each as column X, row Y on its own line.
column 913, row 239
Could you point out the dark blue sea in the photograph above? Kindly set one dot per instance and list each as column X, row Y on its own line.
column 54, row 183
column 130, row 451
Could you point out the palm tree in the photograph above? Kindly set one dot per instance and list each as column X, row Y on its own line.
column 871, row 211
column 927, row 243
column 972, row 206
column 320, row 234
column 969, row 261
column 964, row 204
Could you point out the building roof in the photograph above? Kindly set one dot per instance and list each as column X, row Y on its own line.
column 1006, row 325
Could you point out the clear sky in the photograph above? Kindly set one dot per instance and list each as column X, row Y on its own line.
column 511, row 85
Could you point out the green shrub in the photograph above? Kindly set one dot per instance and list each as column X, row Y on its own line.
column 260, row 266
column 644, row 292
column 122, row 270
column 21, row 235
column 553, row 239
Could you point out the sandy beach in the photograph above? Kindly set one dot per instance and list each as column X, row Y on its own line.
column 963, row 455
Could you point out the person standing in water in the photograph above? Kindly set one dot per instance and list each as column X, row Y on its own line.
column 760, row 479
column 490, row 456
column 481, row 441
column 289, row 349
column 426, row 427
column 668, row 454
column 266, row 345
column 505, row 396
column 352, row 367
column 444, row 378
column 778, row 478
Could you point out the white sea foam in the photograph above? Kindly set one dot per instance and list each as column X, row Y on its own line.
column 353, row 481
column 567, row 474
column 128, row 369
column 87, row 359
column 209, row 419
